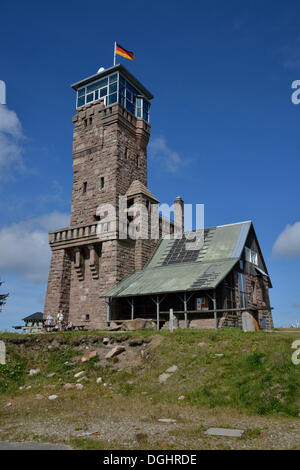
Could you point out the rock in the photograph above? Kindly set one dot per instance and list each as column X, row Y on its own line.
column 201, row 344
column 137, row 324
column 22, row 387
column 79, row 386
column 99, row 380
column 53, row 397
column 114, row 352
column 39, row 396
column 79, row 374
column 167, row 420
column 219, row 355
column 34, row 371
column 181, row 397
column 105, row 341
column 114, row 327
column 136, row 342
column 51, row 375
column 81, row 379
column 86, row 357
column 224, row 432
column 27, row 387
column 172, row 369
column 8, row 404
column 163, row 378
column 68, row 386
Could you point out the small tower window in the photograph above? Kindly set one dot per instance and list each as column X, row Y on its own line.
column 126, row 153
column 87, row 317
column 102, row 182
column 90, row 120
column 137, row 161
column 84, row 187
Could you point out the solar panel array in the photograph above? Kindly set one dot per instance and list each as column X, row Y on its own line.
column 180, row 253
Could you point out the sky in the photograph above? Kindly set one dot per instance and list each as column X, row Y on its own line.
column 224, row 130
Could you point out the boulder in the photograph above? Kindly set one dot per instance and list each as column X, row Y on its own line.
column 137, row 324
column 89, row 355
column 163, row 378
column 105, row 341
column 68, row 386
column 34, row 371
column 79, row 386
column 99, row 380
column 114, row 352
column 39, row 396
column 172, row 369
column 79, row 374
column 53, row 397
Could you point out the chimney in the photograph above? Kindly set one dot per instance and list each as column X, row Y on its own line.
column 178, row 216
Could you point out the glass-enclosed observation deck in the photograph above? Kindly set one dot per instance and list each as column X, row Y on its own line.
column 115, row 85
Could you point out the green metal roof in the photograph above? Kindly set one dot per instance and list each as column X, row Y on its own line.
column 175, row 268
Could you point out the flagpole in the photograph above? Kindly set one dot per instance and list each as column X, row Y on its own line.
column 115, row 53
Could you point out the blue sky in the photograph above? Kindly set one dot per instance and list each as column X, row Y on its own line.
column 222, row 118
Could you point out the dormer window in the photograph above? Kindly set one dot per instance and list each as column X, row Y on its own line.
column 251, row 256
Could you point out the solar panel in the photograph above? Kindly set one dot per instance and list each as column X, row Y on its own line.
column 179, row 252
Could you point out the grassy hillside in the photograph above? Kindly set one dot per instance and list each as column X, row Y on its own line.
column 249, row 373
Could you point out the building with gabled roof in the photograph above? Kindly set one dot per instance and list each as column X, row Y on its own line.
column 208, row 287
column 98, row 274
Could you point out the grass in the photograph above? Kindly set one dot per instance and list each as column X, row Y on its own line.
column 255, row 373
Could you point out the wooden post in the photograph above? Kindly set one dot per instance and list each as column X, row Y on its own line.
column 185, row 310
column 171, row 321
column 215, row 310
column 157, row 313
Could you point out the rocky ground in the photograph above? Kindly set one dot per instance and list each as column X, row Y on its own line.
column 136, row 392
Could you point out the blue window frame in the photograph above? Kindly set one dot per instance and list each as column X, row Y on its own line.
column 112, row 89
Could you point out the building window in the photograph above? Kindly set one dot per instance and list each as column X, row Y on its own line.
column 253, row 296
column 112, row 89
column 90, row 120
column 87, row 317
column 84, row 187
column 126, row 153
column 242, row 289
column 137, row 161
column 251, row 256
column 102, row 182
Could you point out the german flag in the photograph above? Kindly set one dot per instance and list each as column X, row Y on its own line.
column 124, row 53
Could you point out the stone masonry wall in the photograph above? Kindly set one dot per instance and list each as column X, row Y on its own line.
column 58, row 290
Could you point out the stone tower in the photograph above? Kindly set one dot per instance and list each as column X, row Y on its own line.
column 111, row 133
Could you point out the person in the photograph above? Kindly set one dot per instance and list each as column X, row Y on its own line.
column 60, row 317
column 49, row 321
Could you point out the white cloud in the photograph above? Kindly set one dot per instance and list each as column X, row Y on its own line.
column 287, row 244
column 24, row 249
column 160, row 151
column 11, row 137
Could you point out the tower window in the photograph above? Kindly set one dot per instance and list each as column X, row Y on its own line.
column 102, row 182
column 84, row 187
column 87, row 317
column 90, row 120
column 85, row 122
column 137, row 161
column 126, row 153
